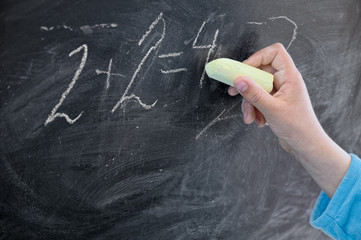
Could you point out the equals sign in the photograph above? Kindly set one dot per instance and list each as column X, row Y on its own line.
column 177, row 54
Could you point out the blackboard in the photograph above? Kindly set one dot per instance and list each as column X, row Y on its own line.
column 111, row 130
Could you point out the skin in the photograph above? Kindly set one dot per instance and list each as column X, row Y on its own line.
column 288, row 112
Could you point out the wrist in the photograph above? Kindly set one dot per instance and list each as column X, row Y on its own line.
column 325, row 161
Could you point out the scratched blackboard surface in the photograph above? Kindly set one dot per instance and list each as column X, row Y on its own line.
column 110, row 128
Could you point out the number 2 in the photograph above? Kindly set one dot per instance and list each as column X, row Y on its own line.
column 55, row 114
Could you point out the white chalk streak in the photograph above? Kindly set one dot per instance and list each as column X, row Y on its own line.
column 235, row 104
column 66, row 27
column 145, row 106
column 150, row 28
column 210, row 124
column 53, row 113
column 44, row 28
column 108, row 73
column 257, row 23
column 170, row 55
column 173, row 70
column 154, row 47
column 196, row 39
column 230, row 117
column 219, row 119
column 208, row 55
column 98, row 72
column 107, row 82
column 294, row 30
column 105, row 25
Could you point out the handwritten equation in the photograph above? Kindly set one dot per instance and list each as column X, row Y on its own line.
column 128, row 95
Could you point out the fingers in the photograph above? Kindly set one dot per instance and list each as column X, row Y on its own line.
column 260, row 119
column 255, row 94
column 268, row 68
column 275, row 55
column 273, row 59
column 248, row 112
column 232, row 91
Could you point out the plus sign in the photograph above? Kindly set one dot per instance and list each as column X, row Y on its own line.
column 108, row 73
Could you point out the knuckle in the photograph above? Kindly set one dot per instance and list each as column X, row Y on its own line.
column 257, row 97
column 279, row 46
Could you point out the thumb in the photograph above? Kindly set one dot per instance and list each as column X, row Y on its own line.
column 254, row 93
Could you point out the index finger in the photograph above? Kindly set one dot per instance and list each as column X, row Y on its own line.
column 275, row 55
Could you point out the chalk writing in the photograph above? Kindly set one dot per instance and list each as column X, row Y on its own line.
column 53, row 113
column 256, row 23
column 68, row 27
column 211, row 48
column 85, row 28
column 210, row 124
column 170, row 55
column 153, row 48
column 108, row 73
column 177, row 54
column 155, row 22
column 173, row 70
column 44, row 28
column 128, row 95
column 294, row 35
column 219, row 118
column 208, row 55
column 294, row 29
column 196, row 39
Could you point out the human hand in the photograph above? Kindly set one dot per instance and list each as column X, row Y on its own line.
column 287, row 110
column 289, row 113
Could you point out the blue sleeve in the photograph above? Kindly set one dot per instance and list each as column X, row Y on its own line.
column 340, row 217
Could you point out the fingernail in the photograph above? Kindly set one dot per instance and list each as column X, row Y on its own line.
column 241, row 86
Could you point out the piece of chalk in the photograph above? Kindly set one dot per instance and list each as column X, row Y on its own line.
column 227, row 70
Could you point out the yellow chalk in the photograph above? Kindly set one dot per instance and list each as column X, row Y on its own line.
column 227, row 70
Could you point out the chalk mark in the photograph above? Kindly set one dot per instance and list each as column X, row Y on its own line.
column 294, row 30
column 219, row 118
column 108, row 73
column 174, row 70
column 281, row 17
column 104, row 25
column 216, row 120
column 70, row 28
column 170, row 55
column 229, row 117
column 155, row 22
column 257, row 23
column 234, row 105
column 211, row 48
column 208, row 55
column 196, row 39
column 210, row 124
column 44, row 28
column 53, row 113
column 133, row 96
column 154, row 47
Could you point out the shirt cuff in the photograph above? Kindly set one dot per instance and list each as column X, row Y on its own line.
column 326, row 211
